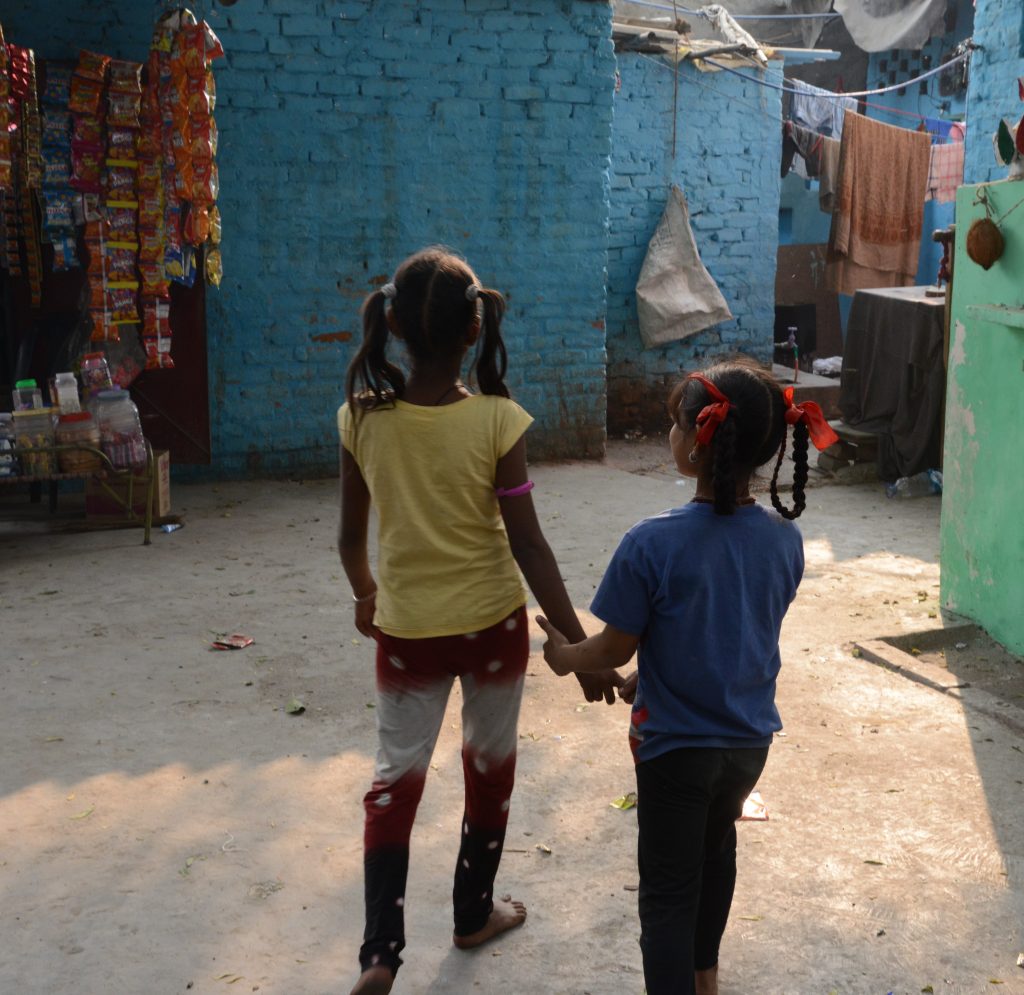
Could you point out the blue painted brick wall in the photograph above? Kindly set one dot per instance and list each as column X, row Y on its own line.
column 992, row 90
column 727, row 163
column 352, row 133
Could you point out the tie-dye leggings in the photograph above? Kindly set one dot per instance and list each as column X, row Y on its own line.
column 414, row 678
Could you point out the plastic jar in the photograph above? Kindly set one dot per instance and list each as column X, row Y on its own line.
column 33, row 430
column 8, row 459
column 95, row 374
column 27, row 395
column 67, row 393
column 78, row 428
column 121, row 435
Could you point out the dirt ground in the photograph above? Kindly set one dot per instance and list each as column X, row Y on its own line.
column 166, row 826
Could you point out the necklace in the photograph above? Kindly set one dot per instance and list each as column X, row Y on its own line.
column 458, row 385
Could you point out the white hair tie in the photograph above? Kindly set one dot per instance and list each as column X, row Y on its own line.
column 390, row 291
column 472, row 292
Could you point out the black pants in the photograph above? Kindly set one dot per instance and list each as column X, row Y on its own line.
column 688, row 801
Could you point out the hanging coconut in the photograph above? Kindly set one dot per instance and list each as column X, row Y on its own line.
column 984, row 242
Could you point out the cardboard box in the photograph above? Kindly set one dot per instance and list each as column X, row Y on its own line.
column 99, row 503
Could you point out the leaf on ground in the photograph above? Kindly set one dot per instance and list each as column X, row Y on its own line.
column 751, row 918
column 929, row 989
column 84, row 815
column 543, row 847
column 625, row 802
column 229, row 978
column 54, row 739
column 856, row 651
column 294, row 707
column 876, row 863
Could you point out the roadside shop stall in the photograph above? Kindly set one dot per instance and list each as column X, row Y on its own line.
column 108, row 226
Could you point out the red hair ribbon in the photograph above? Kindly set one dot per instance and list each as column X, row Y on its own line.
column 711, row 415
column 810, row 414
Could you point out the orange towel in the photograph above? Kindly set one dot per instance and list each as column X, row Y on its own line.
column 879, row 206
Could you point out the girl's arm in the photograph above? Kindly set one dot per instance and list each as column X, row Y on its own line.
column 534, row 557
column 609, row 648
column 355, row 517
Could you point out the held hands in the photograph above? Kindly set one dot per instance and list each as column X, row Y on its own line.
column 560, row 653
column 627, row 692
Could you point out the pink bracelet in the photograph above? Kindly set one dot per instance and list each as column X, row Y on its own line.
column 503, row 492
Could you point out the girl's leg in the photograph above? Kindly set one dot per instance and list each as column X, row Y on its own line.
column 741, row 770
column 674, row 796
column 412, row 693
column 492, row 689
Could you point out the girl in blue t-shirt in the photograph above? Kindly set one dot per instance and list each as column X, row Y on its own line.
column 701, row 590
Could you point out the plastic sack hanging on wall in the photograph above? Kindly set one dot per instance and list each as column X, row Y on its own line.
column 676, row 296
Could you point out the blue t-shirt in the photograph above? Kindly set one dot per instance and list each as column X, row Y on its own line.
column 706, row 594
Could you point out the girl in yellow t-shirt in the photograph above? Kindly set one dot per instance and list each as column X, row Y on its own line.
column 446, row 470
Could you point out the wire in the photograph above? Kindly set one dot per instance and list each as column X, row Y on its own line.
column 737, row 17
column 859, row 93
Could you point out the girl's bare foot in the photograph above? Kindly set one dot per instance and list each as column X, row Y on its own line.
column 506, row 915
column 707, row 981
column 374, row 981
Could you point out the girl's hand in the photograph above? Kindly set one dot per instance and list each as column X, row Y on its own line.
column 628, row 690
column 556, row 648
column 364, row 616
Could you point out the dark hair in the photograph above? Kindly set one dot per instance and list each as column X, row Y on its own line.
column 432, row 312
column 751, row 434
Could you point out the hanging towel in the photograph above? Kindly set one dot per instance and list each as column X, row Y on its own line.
column 828, row 171
column 879, row 206
column 946, row 172
column 675, row 295
column 818, row 109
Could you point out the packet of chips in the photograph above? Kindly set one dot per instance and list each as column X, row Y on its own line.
column 85, row 169
column 122, row 303
column 121, row 219
column 151, row 246
column 197, row 225
column 121, row 178
column 202, row 95
column 92, row 65
column 205, row 182
column 123, row 109
column 214, row 267
column 65, row 253
column 86, row 95
column 122, row 143
column 119, row 261
column 215, row 225
column 57, row 90
column 154, row 282
column 56, row 129
column 124, row 76
column 56, row 168
column 59, row 213
column 203, row 138
column 86, row 131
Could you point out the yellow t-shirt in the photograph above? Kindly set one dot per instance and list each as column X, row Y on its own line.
column 444, row 563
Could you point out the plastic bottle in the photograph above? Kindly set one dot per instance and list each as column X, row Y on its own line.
column 919, row 485
column 26, row 395
column 95, row 374
column 67, row 393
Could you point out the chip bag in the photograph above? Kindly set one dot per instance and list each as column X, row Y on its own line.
column 125, row 77
column 92, row 65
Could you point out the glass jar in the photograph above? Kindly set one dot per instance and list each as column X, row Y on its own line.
column 95, row 374
column 78, row 428
column 120, row 429
column 8, row 459
column 66, row 389
column 27, row 396
column 33, row 431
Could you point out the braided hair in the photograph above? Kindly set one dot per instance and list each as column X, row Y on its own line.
column 434, row 299
column 752, row 432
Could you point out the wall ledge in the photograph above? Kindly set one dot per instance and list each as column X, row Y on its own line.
column 1012, row 317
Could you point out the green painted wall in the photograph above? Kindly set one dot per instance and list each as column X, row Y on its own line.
column 982, row 553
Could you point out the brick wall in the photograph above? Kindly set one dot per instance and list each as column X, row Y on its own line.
column 727, row 163
column 992, row 91
column 352, row 133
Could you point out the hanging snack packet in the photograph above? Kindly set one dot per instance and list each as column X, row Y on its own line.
column 86, row 131
column 125, row 77
column 205, row 182
column 123, row 109
column 56, row 129
column 121, row 219
column 65, row 253
column 119, row 261
column 85, row 169
column 56, row 168
column 215, row 225
column 197, row 225
column 58, row 209
column 57, row 91
column 154, row 283
column 120, row 180
column 151, row 212
column 214, row 267
column 203, row 134
column 92, row 65
column 151, row 246
column 202, row 95
column 122, row 304
column 86, row 95
column 122, row 143
column 103, row 329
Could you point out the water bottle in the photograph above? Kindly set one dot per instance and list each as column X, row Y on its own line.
column 919, row 485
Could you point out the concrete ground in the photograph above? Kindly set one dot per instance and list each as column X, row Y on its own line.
column 167, row 827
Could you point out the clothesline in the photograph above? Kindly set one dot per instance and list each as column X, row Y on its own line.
column 676, row 9
column 858, row 93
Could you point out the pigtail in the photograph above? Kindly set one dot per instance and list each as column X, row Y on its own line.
column 492, row 359
column 800, row 439
column 723, row 467
column 373, row 380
